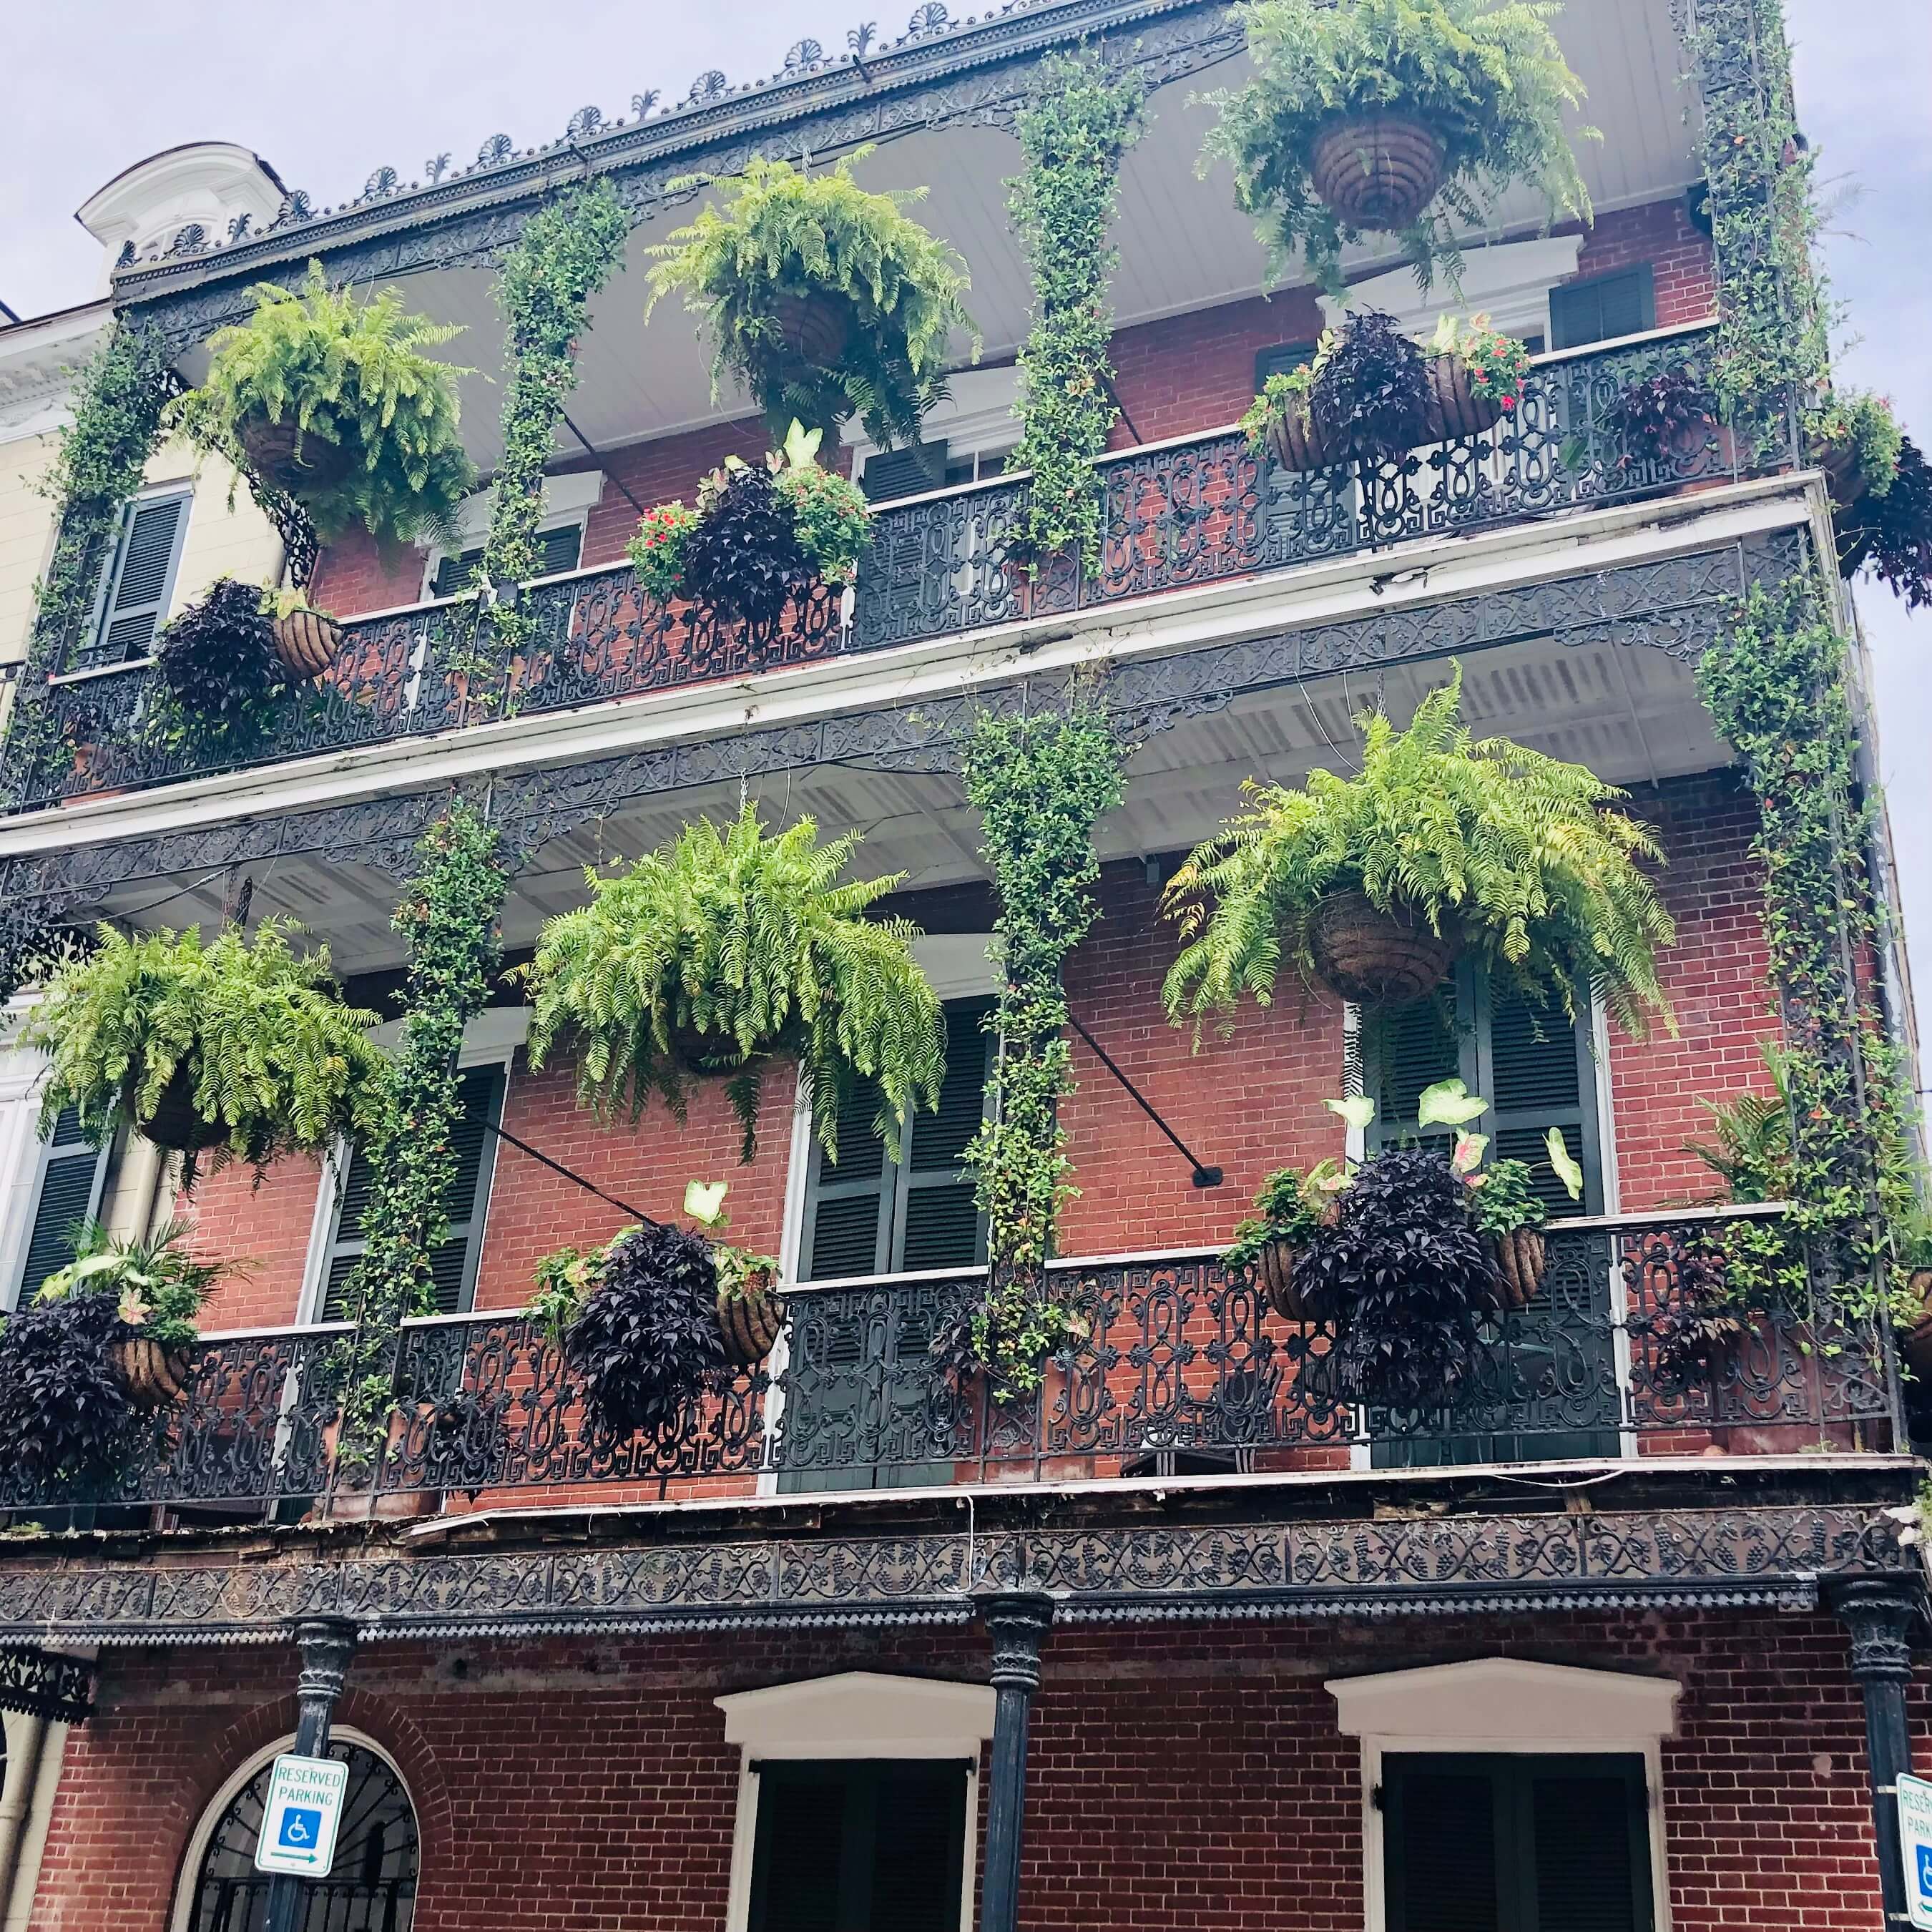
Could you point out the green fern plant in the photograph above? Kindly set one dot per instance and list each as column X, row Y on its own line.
column 352, row 375
column 1522, row 852
column 156, row 1285
column 724, row 949
column 777, row 231
column 276, row 1061
column 1749, row 1146
column 1486, row 76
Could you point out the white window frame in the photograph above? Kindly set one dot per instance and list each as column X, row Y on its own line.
column 182, row 1919
column 1503, row 1706
column 490, row 1039
column 110, row 572
column 978, row 417
column 857, row 1714
column 567, row 500
column 1510, row 284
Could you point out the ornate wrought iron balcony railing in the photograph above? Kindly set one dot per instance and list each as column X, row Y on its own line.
column 1201, row 510
column 1185, row 1369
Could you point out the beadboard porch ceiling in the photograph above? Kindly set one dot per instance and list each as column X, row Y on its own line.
column 1631, row 714
column 1182, row 244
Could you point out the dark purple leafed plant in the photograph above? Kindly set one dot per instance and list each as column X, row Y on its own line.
column 1370, row 396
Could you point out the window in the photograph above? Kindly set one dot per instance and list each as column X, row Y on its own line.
column 68, row 1191
column 1514, row 1843
column 562, row 547
column 480, row 1097
column 137, row 582
column 1281, row 361
column 1603, row 308
column 868, row 1214
column 872, row 1845
column 372, row 1887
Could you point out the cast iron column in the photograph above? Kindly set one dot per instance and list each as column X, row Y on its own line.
column 1879, row 1613
column 327, row 1644
column 1018, row 1621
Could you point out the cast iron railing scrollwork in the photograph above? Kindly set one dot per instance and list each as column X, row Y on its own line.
column 1195, row 511
column 1184, row 1367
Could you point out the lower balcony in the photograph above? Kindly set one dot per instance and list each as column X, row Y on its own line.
column 1627, row 1348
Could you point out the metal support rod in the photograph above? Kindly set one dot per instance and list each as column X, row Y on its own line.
column 327, row 1644
column 623, row 490
column 1018, row 1621
column 1204, row 1176
column 1879, row 1613
column 557, row 1167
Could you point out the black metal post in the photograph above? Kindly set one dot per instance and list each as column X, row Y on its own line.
column 1018, row 1621
column 327, row 1644
column 1879, row 1612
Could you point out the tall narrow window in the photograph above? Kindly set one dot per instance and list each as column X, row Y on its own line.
column 137, row 582
column 72, row 1173
column 562, row 545
column 480, row 1093
column 1604, row 308
column 872, row 1845
column 1515, row 1843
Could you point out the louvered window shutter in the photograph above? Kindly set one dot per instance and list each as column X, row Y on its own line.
column 1603, row 309
column 453, row 1264
column 847, row 1221
column 1281, row 360
column 1590, row 1865
column 870, row 1845
column 563, row 549
column 1541, row 1074
column 452, row 574
column 72, row 1174
column 139, row 580
column 909, row 471
column 1408, row 1050
column 1442, row 1841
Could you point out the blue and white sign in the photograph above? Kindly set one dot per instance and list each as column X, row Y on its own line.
column 1915, row 1844
column 305, row 1807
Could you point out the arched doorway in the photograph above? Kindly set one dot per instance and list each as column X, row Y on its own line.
column 373, row 1887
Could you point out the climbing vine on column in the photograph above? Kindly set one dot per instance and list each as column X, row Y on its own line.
column 1080, row 120
column 449, row 924
column 566, row 254
column 99, row 465
column 1040, row 785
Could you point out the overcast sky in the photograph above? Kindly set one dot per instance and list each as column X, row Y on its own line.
column 326, row 96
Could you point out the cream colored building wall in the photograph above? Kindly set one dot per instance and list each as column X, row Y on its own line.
column 26, row 536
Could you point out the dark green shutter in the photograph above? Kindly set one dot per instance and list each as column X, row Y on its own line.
column 1440, row 1834
column 563, row 549
column 72, row 1174
column 868, row 1846
column 480, row 1092
column 909, row 471
column 1590, row 1862
column 140, row 578
column 1406, row 1051
column 1603, row 309
column 848, row 1224
column 1282, row 360
column 452, row 574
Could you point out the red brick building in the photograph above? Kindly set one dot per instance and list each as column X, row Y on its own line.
column 1189, row 1638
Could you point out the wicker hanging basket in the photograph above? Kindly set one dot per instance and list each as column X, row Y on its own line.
column 1377, row 959
column 1844, row 481
column 319, row 464
column 306, row 642
column 1455, row 410
column 814, row 328
column 1274, row 1273
column 1522, row 1256
column 1916, row 1344
column 153, row 1376
column 1294, row 443
column 1379, row 172
column 176, row 1123
column 750, row 1319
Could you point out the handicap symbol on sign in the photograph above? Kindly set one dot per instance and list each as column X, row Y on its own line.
column 300, row 1828
column 1924, row 1871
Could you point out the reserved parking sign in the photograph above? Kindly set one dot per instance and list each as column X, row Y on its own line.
column 304, row 1808
column 1914, row 1845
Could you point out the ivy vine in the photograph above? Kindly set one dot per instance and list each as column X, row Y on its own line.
column 1039, row 784
column 1072, row 134
column 447, row 922
column 565, row 255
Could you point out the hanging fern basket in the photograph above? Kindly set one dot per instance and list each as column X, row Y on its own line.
column 283, row 456
column 1378, row 172
column 815, row 328
column 306, row 642
column 153, row 1376
column 1455, row 410
column 1274, row 1272
column 1377, row 959
column 176, row 1124
column 1521, row 1257
column 751, row 1318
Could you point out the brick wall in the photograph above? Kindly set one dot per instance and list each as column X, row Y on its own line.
column 1179, row 1777
column 1660, row 233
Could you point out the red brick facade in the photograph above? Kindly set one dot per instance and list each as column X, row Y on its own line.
column 1179, row 1777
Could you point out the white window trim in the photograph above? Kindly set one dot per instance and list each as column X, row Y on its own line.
column 490, row 1039
column 1506, row 1706
column 1510, row 284
column 566, row 500
column 978, row 417
column 182, row 1919
column 857, row 1714
column 22, row 1152
column 183, row 487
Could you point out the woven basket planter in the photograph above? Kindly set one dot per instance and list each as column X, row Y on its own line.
column 306, row 642
column 1295, row 444
column 153, row 1376
column 813, row 328
column 1916, row 1344
column 1522, row 1256
column 1454, row 408
column 176, row 1124
column 1377, row 959
column 1274, row 1273
column 1844, row 481
column 320, row 464
column 750, row 1322
column 1379, row 172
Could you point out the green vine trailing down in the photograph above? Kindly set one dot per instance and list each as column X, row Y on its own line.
column 1039, row 784
column 1072, row 134
column 99, row 464
column 566, row 254
column 449, row 924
